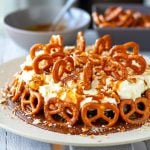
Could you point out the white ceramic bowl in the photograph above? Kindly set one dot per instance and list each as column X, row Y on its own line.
column 15, row 23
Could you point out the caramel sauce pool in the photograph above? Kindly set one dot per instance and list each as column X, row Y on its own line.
column 45, row 27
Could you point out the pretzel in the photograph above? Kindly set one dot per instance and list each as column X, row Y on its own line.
column 99, row 46
column 87, row 75
column 36, row 48
column 115, row 11
column 56, row 40
column 134, row 112
column 57, row 56
column 17, row 89
column 117, row 49
column 101, row 109
column 95, row 17
column 69, row 64
column 115, row 69
column 52, row 48
column 62, row 66
column 58, row 70
column 125, row 19
column 80, row 42
column 80, row 60
column 36, row 63
column 121, row 58
column 134, row 46
column 31, row 101
column 107, row 41
column 95, row 59
column 130, row 22
column 59, row 112
column 139, row 66
column 102, row 44
column 147, row 94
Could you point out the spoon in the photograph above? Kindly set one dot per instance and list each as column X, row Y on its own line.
column 59, row 16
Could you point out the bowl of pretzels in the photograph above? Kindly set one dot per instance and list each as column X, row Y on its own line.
column 123, row 22
column 29, row 26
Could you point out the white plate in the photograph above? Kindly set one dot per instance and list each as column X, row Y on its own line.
column 13, row 124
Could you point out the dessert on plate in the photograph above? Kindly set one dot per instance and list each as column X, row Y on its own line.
column 81, row 89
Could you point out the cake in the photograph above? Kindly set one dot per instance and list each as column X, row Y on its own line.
column 96, row 89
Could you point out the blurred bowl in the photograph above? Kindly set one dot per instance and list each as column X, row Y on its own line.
column 121, row 35
column 16, row 23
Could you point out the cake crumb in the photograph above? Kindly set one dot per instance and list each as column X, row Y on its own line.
column 92, row 136
column 36, row 121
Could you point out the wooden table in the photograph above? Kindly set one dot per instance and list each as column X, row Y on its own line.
column 9, row 141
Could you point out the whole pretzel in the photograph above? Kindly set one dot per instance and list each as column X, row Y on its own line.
column 36, row 48
column 59, row 112
column 80, row 42
column 31, row 101
column 62, row 66
column 101, row 109
column 140, row 107
column 40, row 58
column 58, row 70
column 140, row 64
column 17, row 89
column 87, row 75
